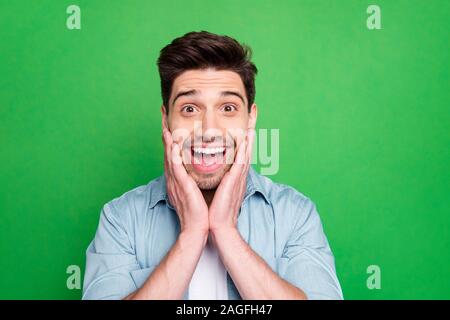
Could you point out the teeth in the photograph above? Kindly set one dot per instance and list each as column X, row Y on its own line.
column 209, row 150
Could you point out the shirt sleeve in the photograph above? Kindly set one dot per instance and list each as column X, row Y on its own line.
column 110, row 258
column 307, row 261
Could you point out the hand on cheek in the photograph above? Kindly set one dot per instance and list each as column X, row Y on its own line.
column 183, row 192
column 228, row 197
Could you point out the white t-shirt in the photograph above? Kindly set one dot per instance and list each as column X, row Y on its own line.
column 209, row 281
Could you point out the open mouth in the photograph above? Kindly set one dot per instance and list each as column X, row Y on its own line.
column 208, row 159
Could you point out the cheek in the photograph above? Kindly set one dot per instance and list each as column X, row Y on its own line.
column 238, row 121
column 180, row 133
column 184, row 123
column 237, row 130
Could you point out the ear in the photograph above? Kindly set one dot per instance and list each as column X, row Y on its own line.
column 252, row 116
column 165, row 124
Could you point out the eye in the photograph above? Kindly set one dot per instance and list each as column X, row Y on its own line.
column 188, row 109
column 229, row 108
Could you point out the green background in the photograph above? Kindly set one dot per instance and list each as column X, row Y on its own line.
column 363, row 118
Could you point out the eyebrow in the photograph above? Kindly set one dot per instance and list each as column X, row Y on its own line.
column 233, row 93
column 193, row 92
column 184, row 93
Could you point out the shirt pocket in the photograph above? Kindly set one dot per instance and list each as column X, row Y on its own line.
column 139, row 276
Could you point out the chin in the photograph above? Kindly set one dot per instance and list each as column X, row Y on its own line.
column 208, row 181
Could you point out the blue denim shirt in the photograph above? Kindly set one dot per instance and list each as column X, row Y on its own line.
column 279, row 223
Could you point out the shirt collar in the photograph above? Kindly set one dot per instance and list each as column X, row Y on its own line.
column 255, row 184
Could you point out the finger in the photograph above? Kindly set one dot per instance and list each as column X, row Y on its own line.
column 249, row 152
column 250, row 138
column 164, row 130
column 167, row 138
column 239, row 161
column 176, row 156
column 240, row 156
column 164, row 124
column 165, row 153
column 177, row 164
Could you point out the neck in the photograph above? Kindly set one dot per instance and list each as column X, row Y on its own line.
column 208, row 195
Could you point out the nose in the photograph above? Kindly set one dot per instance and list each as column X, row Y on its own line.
column 210, row 126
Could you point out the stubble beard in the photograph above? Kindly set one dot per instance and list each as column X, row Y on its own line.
column 208, row 181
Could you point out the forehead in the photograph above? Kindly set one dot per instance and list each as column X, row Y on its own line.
column 208, row 80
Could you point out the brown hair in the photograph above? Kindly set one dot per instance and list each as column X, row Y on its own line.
column 201, row 50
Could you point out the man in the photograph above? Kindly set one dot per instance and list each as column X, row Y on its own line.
column 211, row 227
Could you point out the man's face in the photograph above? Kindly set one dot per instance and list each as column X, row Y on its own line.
column 208, row 117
